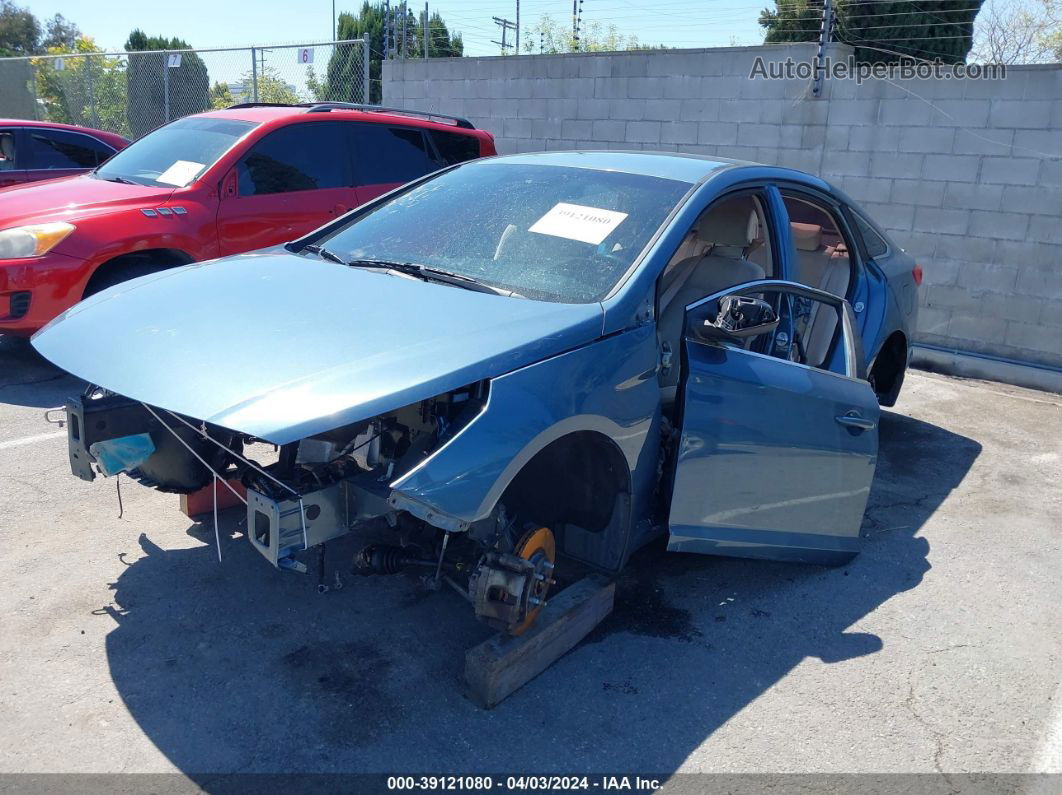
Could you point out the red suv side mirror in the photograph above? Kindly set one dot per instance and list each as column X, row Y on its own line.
column 230, row 185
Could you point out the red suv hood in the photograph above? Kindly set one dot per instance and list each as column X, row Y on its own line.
column 70, row 198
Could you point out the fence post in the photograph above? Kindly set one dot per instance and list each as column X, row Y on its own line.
column 91, row 91
column 254, row 75
column 33, row 82
column 366, row 96
column 166, row 85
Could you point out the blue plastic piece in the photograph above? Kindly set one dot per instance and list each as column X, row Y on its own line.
column 122, row 454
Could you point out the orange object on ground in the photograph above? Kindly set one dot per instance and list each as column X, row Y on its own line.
column 202, row 501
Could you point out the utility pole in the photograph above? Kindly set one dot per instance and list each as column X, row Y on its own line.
column 426, row 30
column 824, row 39
column 517, row 27
column 506, row 26
column 333, row 20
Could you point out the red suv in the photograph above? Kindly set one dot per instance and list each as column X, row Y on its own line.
column 36, row 150
column 206, row 186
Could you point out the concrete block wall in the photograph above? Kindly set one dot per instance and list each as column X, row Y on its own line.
column 966, row 175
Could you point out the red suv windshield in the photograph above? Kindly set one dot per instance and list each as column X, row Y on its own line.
column 176, row 154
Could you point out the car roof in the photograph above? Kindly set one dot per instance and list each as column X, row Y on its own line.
column 104, row 134
column 263, row 114
column 667, row 165
column 679, row 166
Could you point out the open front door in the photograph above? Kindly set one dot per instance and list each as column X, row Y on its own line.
column 776, row 456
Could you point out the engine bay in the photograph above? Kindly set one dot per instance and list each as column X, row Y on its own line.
column 303, row 494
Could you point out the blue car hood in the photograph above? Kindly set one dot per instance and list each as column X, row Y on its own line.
column 282, row 347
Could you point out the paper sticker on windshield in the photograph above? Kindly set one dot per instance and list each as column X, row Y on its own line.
column 180, row 173
column 576, row 222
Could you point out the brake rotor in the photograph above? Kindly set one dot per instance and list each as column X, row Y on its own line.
column 540, row 548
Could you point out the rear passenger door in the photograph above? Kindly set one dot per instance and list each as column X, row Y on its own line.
column 12, row 171
column 290, row 182
column 386, row 156
column 61, row 153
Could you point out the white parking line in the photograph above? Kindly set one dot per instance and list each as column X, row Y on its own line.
column 40, row 437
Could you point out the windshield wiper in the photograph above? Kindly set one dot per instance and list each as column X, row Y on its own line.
column 428, row 273
column 122, row 180
column 324, row 253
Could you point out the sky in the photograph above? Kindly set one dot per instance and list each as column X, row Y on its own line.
column 223, row 23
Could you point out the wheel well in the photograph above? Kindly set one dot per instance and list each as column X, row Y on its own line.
column 578, row 485
column 889, row 366
column 145, row 261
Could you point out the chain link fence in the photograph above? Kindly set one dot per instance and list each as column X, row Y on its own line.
column 132, row 93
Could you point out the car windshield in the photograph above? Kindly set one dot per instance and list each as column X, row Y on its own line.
column 176, row 154
column 546, row 232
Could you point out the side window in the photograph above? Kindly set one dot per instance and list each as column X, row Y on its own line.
column 808, row 331
column 308, row 156
column 822, row 258
column 385, row 154
column 59, row 149
column 727, row 245
column 874, row 244
column 7, row 150
column 455, row 147
column 815, row 329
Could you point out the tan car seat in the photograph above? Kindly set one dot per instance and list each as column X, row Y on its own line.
column 727, row 229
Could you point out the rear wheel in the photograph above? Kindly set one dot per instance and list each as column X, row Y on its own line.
column 887, row 374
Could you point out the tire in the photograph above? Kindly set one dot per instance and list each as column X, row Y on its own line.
column 122, row 271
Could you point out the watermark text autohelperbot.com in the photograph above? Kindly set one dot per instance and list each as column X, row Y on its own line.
column 846, row 69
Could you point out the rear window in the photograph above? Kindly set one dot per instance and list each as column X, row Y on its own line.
column 384, row 154
column 53, row 149
column 454, row 147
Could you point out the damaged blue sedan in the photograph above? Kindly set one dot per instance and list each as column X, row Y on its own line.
column 514, row 362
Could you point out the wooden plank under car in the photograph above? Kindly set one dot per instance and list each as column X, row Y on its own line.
column 502, row 664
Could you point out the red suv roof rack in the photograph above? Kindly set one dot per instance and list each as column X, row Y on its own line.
column 325, row 107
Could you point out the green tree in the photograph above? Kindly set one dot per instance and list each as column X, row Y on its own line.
column 60, row 32
column 221, row 96
column 880, row 31
column 441, row 42
column 343, row 79
column 271, row 88
column 148, row 76
column 88, row 91
column 549, row 37
column 318, row 88
column 20, row 32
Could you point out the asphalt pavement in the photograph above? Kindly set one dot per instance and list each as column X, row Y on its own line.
column 126, row 646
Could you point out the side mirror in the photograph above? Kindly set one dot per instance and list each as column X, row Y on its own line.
column 229, row 185
column 739, row 317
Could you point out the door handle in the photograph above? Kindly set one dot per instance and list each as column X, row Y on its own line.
column 853, row 420
column 340, row 209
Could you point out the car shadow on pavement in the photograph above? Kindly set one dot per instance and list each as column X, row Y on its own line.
column 28, row 379
column 236, row 667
